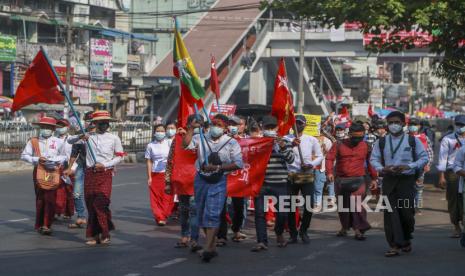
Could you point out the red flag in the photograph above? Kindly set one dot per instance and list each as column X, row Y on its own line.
column 255, row 155
column 283, row 107
column 246, row 182
column 39, row 85
column 214, row 79
column 186, row 105
column 370, row 111
column 183, row 170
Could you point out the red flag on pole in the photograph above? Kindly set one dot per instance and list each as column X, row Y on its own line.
column 39, row 85
column 283, row 107
column 214, row 79
column 186, row 105
column 370, row 111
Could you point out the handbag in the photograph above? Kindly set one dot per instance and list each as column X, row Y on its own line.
column 301, row 178
column 214, row 159
column 350, row 184
column 46, row 178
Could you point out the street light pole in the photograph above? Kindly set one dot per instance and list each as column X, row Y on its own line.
column 69, row 40
column 300, row 89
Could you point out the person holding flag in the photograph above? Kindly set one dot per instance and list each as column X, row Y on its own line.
column 47, row 154
column 217, row 155
column 98, row 178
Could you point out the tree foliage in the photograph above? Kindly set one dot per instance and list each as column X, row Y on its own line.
column 443, row 19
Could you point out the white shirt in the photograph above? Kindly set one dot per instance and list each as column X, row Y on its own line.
column 68, row 146
column 448, row 150
column 327, row 144
column 459, row 164
column 107, row 148
column 51, row 148
column 311, row 152
column 158, row 152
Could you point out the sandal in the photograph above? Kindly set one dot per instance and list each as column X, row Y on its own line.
column 181, row 244
column 76, row 225
column 392, row 253
column 455, row 236
column 106, row 241
column 221, row 242
column 407, row 248
column 341, row 233
column 46, row 231
column 195, row 247
column 91, row 242
column 207, row 256
column 360, row 237
column 259, row 247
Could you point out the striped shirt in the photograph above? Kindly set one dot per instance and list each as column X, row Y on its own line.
column 276, row 170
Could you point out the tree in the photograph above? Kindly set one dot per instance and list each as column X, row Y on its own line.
column 444, row 20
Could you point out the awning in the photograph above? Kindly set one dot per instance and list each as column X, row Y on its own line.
column 118, row 33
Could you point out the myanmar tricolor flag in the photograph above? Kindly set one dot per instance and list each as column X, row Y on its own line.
column 184, row 68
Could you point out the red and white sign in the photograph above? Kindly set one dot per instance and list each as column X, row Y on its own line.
column 226, row 109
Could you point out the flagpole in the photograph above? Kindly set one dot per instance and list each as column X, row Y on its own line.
column 70, row 103
column 202, row 137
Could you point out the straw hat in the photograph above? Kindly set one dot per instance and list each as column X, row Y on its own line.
column 46, row 121
column 101, row 115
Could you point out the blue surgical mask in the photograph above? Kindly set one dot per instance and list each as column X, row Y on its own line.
column 270, row 133
column 46, row 133
column 233, row 130
column 395, row 128
column 196, row 130
column 62, row 130
column 413, row 128
column 216, row 132
column 170, row 132
column 159, row 135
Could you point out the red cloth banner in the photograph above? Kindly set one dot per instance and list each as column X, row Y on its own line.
column 246, row 182
column 283, row 106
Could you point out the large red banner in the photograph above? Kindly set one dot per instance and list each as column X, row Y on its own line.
column 241, row 183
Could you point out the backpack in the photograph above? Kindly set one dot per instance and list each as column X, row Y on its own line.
column 214, row 159
column 412, row 143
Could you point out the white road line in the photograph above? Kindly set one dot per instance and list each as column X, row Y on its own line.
column 283, row 270
column 171, row 262
column 13, row 220
column 312, row 256
column 127, row 184
column 336, row 244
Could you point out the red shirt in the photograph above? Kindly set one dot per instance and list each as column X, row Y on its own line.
column 350, row 161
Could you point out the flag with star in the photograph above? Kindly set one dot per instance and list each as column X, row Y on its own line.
column 184, row 68
column 283, row 106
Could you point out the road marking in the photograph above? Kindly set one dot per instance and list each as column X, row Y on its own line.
column 126, row 184
column 312, row 256
column 171, row 262
column 283, row 270
column 13, row 220
column 336, row 244
column 133, row 274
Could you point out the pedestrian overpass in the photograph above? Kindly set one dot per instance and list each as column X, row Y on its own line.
column 248, row 46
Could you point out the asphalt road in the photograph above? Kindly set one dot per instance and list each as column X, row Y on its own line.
column 141, row 248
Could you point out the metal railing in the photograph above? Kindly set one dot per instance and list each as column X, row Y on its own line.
column 15, row 135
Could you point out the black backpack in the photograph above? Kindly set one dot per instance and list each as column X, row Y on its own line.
column 214, row 159
column 412, row 143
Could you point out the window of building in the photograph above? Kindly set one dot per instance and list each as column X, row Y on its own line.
column 46, row 33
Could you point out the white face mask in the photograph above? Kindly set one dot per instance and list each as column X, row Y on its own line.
column 395, row 128
column 62, row 130
column 233, row 130
column 170, row 132
column 46, row 133
column 270, row 133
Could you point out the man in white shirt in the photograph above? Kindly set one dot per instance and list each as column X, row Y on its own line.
column 50, row 153
column 98, row 180
column 302, row 175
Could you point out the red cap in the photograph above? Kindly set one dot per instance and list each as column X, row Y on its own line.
column 47, row 121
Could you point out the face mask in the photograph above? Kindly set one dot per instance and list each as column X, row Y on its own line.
column 461, row 130
column 340, row 134
column 196, row 130
column 300, row 128
column 46, row 133
column 102, row 127
column 216, row 131
column 159, row 136
column 395, row 128
column 413, row 128
column 355, row 140
column 233, row 130
column 270, row 133
column 170, row 132
column 62, row 130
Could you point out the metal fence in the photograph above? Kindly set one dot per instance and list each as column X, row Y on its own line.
column 14, row 136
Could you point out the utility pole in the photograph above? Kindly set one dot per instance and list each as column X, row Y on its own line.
column 300, row 89
column 69, row 41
